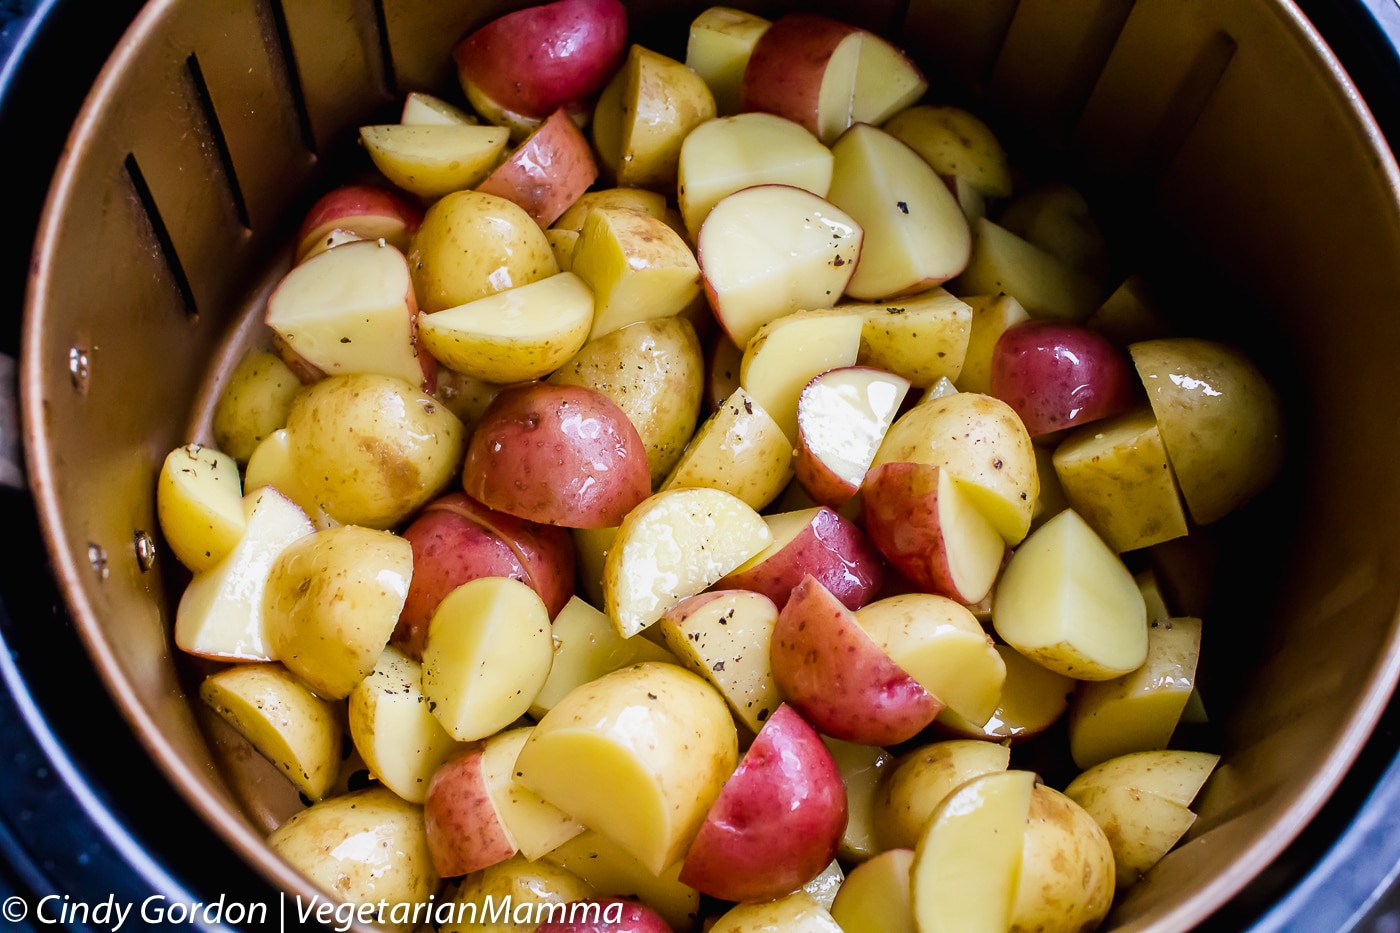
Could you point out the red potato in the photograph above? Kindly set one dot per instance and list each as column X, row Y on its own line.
column 536, row 60
column 558, row 455
column 607, row 915
column 816, row 542
column 842, row 416
column 464, row 829
column 548, row 172
column 1058, row 375
column 920, row 520
column 777, row 823
column 456, row 539
column 368, row 211
column 838, row 678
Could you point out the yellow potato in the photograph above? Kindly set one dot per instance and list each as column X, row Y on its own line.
column 981, row 442
column 991, row 316
column 536, row 826
column 288, row 724
column 655, row 373
column 271, row 465
column 587, row 646
column 863, row 769
column 401, row 742
column 921, row 779
column 494, row 899
column 1002, row 262
column 1220, row 420
column 739, row 449
column 721, row 40
column 786, row 353
column 372, row 449
column 471, row 245
column 955, row 143
column 200, row 505
column 332, row 601
column 1032, row 700
column 488, row 654
column 612, row 872
column 660, row 102
column 431, row 160
column 923, row 338
column 725, row 637
column 361, row 848
column 874, row 898
column 638, row 755
column 638, row 268
column 798, row 912
column 1067, row 874
column 516, row 335
column 254, row 403
column 651, row 203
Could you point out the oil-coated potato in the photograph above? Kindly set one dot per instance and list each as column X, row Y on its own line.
column 725, row 638
column 740, row 450
column 1220, row 419
column 361, row 848
column 332, row 601
column 1066, row 883
column 200, row 505
column 604, row 865
column 471, row 245
column 798, row 912
column 254, row 403
column 291, row 726
column 399, row 739
column 638, row 755
column 372, row 449
column 655, row 373
column 919, row 781
column 522, row 885
column 587, row 645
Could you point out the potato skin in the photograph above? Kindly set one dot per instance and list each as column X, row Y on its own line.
column 385, row 845
column 655, row 373
column 254, row 403
column 1066, row 868
column 558, row 455
column 372, row 449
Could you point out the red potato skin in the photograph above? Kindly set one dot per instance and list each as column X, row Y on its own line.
column 784, row 73
column 778, row 821
column 900, row 511
column 1059, row 375
column 548, row 171
column 347, row 208
column 464, row 832
column 838, row 678
column 831, row 549
column 821, row 481
column 541, row 58
column 456, row 539
column 557, row 455
column 635, row 918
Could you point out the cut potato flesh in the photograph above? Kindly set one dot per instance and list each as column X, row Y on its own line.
column 488, row 654
column 992, row 315
column 771, row 250
column 676, row 544
column 1066, row 601
column 587, row 646
column 638, row 755
column 433, row 160
column 923, row 337
column 1003, row 263
column 967, row 867
column 720, row 43
column 536, row 826
column 784, row 355
column 638, row 268
column 393, row 730
column 862, row 768
column 739, row 449
column 516, row 335
column 874, row 898
column 1032, row 699
column 725, row 637
column 200, row 505
column 610, row 871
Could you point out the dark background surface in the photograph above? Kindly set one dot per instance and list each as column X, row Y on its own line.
column 85, row 815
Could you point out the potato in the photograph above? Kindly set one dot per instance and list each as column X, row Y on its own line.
column 288, row 724
column 982, row 443
column 919, row 781
column 271, row 465
column 654, row 371
column 548, row 171
column 1067, row 602
column 587, row 646
column 740, row 450
column 874, row 898
column 332, row 601
column 798, row 912
column 1115, row 474
column 817, row 542
column 673, row 545
column 787, row 353
column 488, row 653
column 638, row 267
column 1047, row 288
column 1220, row 419
column 720, row 43
column 923, row 338
column 957, row 144
column 1032, row 700
column 1066, row 882
column 992, row 316
column 863, row 768
column 432, row 160
column 1057, row 375
column 559, row 455
column 471, row 245
column 652, row 203
column 372, row 449
column 511, row 896
column 517, row 335
column 200, row 505
column 361, row 848
column 725, row 638
column 394, row 732
column 1056, row 217
column 658, row 101
column 254, row 403
column 638, row 754
column 1142, row 802
column 610, row 870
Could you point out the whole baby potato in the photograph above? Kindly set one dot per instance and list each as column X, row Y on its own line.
column 654, row 371
column 473, row 244
column 362, row 847
column 559, row 455
column 372, row 449
column 254, row 403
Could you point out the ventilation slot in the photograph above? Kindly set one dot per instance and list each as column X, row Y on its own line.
column 1187, row 104
column 386, row 51
column 216, row 132
column 289, row 67
column 167, row 245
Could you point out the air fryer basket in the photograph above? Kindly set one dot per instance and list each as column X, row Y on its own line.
column 1220, row 137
